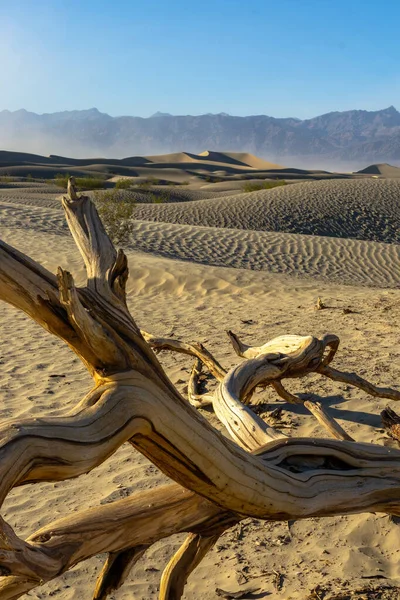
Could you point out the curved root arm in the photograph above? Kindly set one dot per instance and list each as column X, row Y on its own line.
column 307, row 352
column 134, row 522
column 116, row 569
column 359, row 382
column 245, row 427
column 316, row 409
column 189, row 555
column 195, row 398
column 195, row 349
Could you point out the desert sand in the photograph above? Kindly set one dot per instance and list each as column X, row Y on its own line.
column 254, row 263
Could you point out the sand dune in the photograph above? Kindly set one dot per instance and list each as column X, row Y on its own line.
column 383, row 170
column 345, row 261
column 244, row 158
column 175, row 157
column 362, row 209
column 237, row 159
column 323, row 258
column 171, row 195
column 176, row 167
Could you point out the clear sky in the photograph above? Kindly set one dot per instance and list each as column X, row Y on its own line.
column 126, row 57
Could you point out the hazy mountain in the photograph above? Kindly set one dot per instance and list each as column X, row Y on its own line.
column 161, row 114
column 355, row 137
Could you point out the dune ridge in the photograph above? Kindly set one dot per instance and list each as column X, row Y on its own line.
column 363, row 209
column 240, row 158
column 177, row 167
column 382, row 169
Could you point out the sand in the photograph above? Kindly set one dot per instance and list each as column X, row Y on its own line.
column 382, row 170
column 342, row 211
column 365, row 209
column 183, row 284
column 179, row 167
column 240, row 158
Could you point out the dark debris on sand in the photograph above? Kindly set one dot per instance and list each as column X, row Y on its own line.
column 382, row 591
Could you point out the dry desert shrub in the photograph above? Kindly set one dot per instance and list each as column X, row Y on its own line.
column 82, row 183
column 116, row 213
column 123, row 184
column 253, row 186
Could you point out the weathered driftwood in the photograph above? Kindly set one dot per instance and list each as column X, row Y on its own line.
column 357, row 381
column 133, row 400
column 180, row 566
column 391, row 423
column 195, row 398
column 195, row 349
column 316, row 357
column 303, row 354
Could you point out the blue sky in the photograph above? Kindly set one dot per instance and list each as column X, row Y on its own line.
column 283, row 58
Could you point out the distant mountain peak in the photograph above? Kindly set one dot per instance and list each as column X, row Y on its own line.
column 85, row 111
column 160, row 114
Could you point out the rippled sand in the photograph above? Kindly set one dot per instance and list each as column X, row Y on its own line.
column 365, row 209
column 351, row 215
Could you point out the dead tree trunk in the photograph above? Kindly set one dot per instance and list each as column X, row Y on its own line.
column 217, row 481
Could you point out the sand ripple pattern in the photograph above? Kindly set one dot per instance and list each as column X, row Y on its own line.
column 345, row 261
column 35, row 216
column 167, row 195
column 364, row 209
column 46, row 197
column 49, row 196
column 350, row 261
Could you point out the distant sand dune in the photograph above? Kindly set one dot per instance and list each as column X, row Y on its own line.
column 175, row 157
column 382, row 169
column 244, row 158
column 237, row 159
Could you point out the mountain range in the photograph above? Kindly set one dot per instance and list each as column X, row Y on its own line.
column 353, row 138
